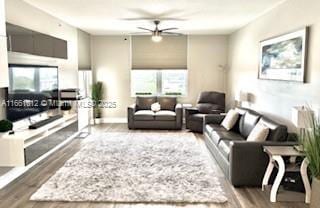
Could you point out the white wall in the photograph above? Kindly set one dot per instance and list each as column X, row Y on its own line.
column 111, row 64
column 2, row 19
column 3, row 48
column 276, row 98
column 205, row 54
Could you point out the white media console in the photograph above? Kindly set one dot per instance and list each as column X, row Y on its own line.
column 25, row 146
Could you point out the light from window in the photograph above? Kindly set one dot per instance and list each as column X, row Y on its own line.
column 159, row 82
column 48, row 79
column 174, row 82
column 143, row 82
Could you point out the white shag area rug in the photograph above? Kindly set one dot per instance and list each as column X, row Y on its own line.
column 136, row 167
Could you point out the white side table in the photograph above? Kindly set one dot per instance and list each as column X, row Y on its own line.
column 276, row 154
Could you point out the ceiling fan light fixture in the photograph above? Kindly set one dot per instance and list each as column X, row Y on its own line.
column 156, row 38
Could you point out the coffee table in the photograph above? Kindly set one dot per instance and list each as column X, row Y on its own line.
column 276, row 154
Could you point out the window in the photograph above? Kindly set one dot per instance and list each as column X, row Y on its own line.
column 174, row 82
column 23, row 79
column 159, row 82
column 143, row 82
column 48, row 79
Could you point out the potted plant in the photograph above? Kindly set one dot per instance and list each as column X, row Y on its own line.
column 311, row 145
column 5, row 126
column 96, row 94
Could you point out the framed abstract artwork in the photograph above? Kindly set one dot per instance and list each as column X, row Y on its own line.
column 284, row 57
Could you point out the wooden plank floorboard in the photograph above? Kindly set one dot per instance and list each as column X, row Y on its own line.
column 17, row 194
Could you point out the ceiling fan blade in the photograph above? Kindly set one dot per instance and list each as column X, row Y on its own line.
column 171, row 33
column 140, row 33
column 172, row 28
column 142, row 28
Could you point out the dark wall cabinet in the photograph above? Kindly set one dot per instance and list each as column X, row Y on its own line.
column 23, row 40
column 60, row 48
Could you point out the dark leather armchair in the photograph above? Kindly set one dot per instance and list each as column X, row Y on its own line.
column 140, row 115
column 209, row 102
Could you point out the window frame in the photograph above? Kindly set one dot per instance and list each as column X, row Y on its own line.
column 159, row 83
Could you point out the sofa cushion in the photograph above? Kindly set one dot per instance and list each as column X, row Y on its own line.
column 224, row 147
column 165, row 115
column 208, row 107
column 213, row 127
column 230, row 120
column 247, row 122
column 144, row 115
column 277, row 132
column 144, row 103
column 218, row 136
column 197, row 117
column 259, row 133
column 167, row 103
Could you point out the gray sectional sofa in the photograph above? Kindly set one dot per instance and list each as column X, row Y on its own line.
column 244, row 163
column 140, row 115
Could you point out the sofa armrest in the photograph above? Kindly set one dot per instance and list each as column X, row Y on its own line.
column 179, row 115
column 131, row 111
column 248, row 161
column 213, row 119
column 216, row 111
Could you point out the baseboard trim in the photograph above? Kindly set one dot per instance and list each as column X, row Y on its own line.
column 110, row 120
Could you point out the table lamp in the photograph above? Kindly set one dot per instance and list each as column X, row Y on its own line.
column 302, row 119
column 241, row 97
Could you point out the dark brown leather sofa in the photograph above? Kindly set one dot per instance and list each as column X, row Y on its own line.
column 140, row 115
column 244, row 163
column 209, row 102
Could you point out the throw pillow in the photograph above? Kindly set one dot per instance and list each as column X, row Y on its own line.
column 155, row 107
column 259, row 133
column 230, row 120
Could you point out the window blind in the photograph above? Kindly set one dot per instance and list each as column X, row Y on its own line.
column 170, row 53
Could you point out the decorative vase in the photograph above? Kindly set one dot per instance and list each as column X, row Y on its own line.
column 315, row 193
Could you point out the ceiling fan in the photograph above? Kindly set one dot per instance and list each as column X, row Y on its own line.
column 157, row 33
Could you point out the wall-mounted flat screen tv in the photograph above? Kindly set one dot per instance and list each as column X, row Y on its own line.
column 32, row 90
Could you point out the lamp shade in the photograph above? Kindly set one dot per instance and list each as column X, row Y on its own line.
column 301, row 117
column 242, row 96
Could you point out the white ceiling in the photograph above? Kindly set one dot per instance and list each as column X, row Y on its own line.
column 102, row 17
